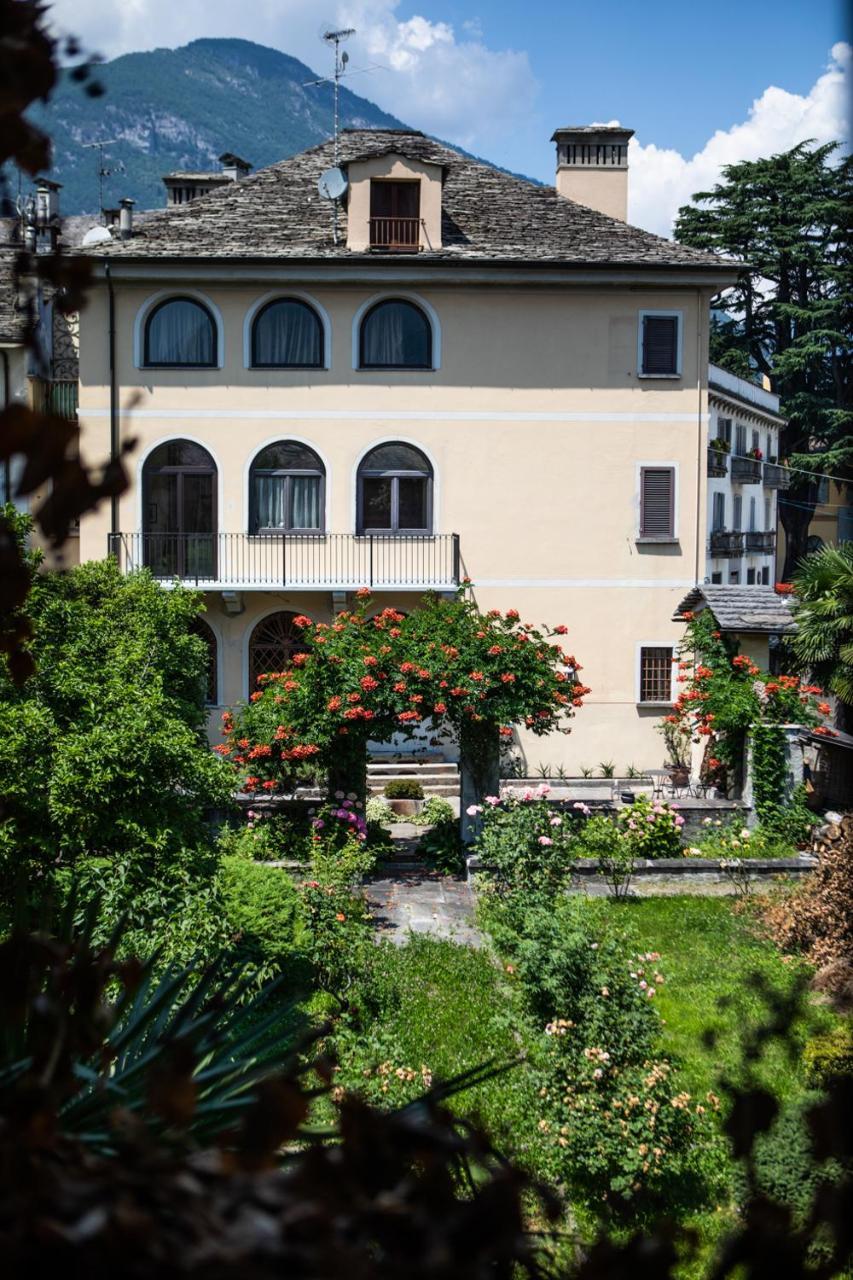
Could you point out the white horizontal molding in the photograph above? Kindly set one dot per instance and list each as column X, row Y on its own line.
column 388, row 415
column 668, row 584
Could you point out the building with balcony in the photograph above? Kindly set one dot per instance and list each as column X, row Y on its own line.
column 744, row 477
column 455, row 374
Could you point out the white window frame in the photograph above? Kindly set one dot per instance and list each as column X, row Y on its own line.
column 638, row 671
column 679, row 345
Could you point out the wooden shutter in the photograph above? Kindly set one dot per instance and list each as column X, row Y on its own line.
column 737, row 513
column 719, row 520
column 657, row 502
column 660, row 344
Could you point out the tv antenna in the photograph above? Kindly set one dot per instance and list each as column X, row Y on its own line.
column 335, row 38
column 103, row 172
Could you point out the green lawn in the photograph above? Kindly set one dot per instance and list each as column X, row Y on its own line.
column 714, row 961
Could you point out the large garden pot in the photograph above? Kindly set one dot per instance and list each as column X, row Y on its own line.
column 405, row 808
column 679, row 777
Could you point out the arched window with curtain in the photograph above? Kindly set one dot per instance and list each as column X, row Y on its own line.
column 395, row 490
column 205, row 632
column 272, row 645
column 395, row 334
column 179, row 511
column 287, row 334
column 287, row 490
column 180, row 333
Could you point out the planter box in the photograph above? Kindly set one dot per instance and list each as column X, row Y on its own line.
column 406, row 808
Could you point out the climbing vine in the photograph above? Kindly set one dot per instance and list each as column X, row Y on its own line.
column 726, row 696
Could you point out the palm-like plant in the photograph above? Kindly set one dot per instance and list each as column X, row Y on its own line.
column 823, row 643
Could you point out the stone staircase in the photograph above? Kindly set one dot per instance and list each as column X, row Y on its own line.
column 438, row 777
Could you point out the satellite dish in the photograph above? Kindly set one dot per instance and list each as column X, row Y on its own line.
column 332, row 184
column 96, row 235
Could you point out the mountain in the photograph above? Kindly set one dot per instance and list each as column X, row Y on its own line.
column 180, row 109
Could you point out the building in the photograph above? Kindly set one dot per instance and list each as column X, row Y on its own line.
column 744, row 477
column 450, row 373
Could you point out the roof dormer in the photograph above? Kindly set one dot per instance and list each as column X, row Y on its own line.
column 394, row 204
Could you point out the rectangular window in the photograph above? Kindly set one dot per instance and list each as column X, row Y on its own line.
column 660, row 344
column 740, row 440
column 656, row 674
column 752, row 515
column 718, row 519
column 734, row 577
column 756, row 440
column 717, row 579
column 737, row 512
column 765, row 576
column 395, row 214
column 768, row 516
column 724, row 429
column 750, row 577
column 657, row 502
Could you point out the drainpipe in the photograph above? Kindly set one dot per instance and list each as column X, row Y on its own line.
column 114, row 423
column 7, row 463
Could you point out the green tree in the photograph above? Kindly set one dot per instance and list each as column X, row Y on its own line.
column 823, row 642
column 790, row 315
column 102, row 750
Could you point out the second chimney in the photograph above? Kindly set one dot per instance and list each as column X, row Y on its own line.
column 125, row 217
column 592, row 167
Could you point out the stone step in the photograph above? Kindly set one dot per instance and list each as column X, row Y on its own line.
column 380, row 779
column 429, row 789
column 410, row 770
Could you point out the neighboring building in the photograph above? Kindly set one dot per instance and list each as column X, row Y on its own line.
column 475, row 377
column 744, row 478
column 755, row 617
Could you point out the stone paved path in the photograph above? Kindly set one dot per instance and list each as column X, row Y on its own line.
column 421, row 901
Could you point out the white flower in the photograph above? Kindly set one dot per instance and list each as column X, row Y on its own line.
column 473, row 810
column 744, row 835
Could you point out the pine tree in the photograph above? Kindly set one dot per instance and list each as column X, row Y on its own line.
column 790, row 315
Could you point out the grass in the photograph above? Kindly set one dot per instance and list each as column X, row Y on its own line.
column 715, row 961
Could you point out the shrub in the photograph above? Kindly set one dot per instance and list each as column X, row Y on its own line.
column 443, row 848
column 652, row 827
column 404, row 789
column 267, row 837
column 828, row 1055
column 615, row 852
column 817, row 917
column 435, row 810
column 377, row 810
column 338, row 940
column 264, row 913
column 523, row 843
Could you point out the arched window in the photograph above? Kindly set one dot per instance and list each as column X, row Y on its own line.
column 200, row 628
column 287, row 489
column 395, row 334
column 394, row 491
column 287, row 334
column 272, row 645
column 179, row 511
column 180, row 333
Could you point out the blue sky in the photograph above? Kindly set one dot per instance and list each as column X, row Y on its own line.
column 702, row 85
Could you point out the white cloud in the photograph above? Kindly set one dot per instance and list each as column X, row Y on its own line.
column 448, row 84
column 661, row 180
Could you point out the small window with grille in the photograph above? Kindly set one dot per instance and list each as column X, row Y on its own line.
column 656, row 673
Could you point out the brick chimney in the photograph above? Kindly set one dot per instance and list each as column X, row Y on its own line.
column 592, row 167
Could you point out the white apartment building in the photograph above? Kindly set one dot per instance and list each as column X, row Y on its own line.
column 744, row 478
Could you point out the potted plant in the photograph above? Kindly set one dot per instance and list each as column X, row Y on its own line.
column 404, row 795
column 755, row 453
column 719, row 445
column 677, row 742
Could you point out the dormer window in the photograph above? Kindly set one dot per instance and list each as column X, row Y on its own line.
column 395, row 215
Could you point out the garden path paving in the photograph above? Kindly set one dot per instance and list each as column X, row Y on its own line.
column 417, row 900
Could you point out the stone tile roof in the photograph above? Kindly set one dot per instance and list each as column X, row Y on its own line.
column 487, row 216
column 742, row 608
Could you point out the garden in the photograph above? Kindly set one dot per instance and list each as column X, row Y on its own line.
column 633, row 1061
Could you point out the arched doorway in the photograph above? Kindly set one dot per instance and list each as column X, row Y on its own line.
column 272, row 645
column 179, row 511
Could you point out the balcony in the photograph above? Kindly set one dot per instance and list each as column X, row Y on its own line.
column 56, row 396
column 395, row 235
column 312, row 561
column 776, row 477
column 718, row 462
column 746, row 470
column 764, row 542
column 726, row 542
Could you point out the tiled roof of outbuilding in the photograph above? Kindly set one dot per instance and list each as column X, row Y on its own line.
column 487, row 216
column 742, row 608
